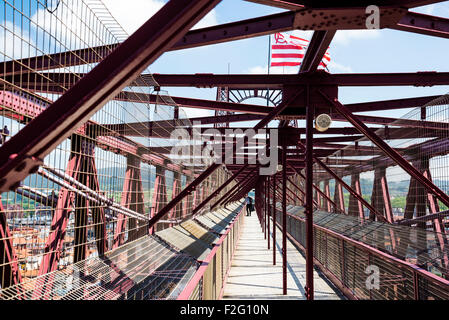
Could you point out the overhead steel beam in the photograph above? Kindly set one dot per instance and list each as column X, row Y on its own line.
column 193, row 103
column 390, row 104
column 277, row 81
column 424, row 24
column 404, row 123
column 202, row 120
column 25, row 151
column 138, row 97
column 54, row 82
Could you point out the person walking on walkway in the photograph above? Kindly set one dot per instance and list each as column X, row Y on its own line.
column 249, row 205
column 4, row 133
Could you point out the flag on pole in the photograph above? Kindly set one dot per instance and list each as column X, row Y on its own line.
column 289, row 50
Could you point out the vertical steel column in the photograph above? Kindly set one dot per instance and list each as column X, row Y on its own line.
column 176, row 189
column 132, row 198
column 411, row 199
column 284, row 216
column 259, row 200
column 268, row 212
column 320, row 196
column 9, row 269
column 265, row 211
column 328, row 194
column 438, row 225
column 55, row 240
column 380, row 197
column 339, row 197
column 188, row 201
column 274, row 219
column 196, row 193
column 159, row 195
column 355, row 207
column 309, row 197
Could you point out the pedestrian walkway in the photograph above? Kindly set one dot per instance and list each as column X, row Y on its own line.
column 253, row 275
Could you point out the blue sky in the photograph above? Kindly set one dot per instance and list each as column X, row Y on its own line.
column 351, row 51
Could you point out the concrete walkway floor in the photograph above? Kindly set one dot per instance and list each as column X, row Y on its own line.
column 253, row 275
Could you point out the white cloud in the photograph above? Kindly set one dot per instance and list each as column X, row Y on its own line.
column 194, row 112
column 257, row 70
column 273, row 70
column 430, row 9
column 132, row 14
column 344, row 37
column 333, row 66
column 16, row 43
column 209, row 20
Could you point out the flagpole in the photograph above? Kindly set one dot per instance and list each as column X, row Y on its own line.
column 268, row 66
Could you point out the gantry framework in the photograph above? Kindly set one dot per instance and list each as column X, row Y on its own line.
column 74, row 96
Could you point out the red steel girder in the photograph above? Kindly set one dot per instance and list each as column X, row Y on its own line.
column 390, row 104
column 20, row 155
column 423, row 24
column 317, row 48
column 51, row 82
column 277, row 81
column 132, row 198
column 308, row 147
column 9, row 268
column 193, row 103
column 355, row 207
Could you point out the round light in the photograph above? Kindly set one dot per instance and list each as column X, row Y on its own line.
column 323, row 122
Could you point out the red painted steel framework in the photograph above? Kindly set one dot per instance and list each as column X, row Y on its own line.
column 309, row 159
